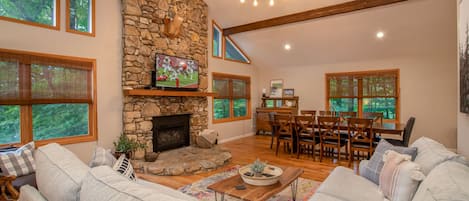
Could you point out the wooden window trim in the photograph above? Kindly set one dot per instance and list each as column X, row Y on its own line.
column 237, row 47
column 93, row 20
column 231, row 77
column 215, row 25
column 53, row 27
column 360, row 96
column 26, row 126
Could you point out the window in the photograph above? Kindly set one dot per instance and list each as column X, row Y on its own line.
column 44, row 13
column 80, row 17
column 374, row 91
column 217, row 36
column 46, row 98
column 232, row 101
column 233, row 52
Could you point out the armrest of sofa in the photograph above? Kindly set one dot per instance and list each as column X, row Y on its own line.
column 361, row 167
column 29, row 193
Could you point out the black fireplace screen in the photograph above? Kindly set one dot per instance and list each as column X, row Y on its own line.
column 171, row 132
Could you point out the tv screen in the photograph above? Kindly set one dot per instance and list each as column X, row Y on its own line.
column 176, row 73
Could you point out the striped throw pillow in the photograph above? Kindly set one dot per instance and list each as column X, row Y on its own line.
column 102, row 156
column 124, row 167
column 19, row 162
column 399, row 177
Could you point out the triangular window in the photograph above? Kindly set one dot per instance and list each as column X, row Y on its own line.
column 233, row 52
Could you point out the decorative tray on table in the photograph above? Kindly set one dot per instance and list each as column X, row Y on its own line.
column 269, row 176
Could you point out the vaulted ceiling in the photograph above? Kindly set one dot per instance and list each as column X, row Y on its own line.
column 408, row 26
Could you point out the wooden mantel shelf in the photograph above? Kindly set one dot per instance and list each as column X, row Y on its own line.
column 152, row 92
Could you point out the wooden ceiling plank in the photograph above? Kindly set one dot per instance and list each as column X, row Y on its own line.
column 342, row 8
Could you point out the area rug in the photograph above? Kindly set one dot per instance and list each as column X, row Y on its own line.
column 306, row 188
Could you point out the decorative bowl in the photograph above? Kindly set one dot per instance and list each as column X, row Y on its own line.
column 270, row 176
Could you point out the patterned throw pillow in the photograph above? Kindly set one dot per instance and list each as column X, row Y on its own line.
column 373, row 169
column 399, row 177
column 102, row 156
column 124, row 167
column 19, row 162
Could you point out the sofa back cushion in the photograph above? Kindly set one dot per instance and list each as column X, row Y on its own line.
column 431, row 153
column 447, row 181
column 59, row 173
column 373, row 168
column 103, row 183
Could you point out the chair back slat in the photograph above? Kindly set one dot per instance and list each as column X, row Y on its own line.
column 329, row 128
column 308, row 112
column 304, row 125
column 284, row 123
column 408, row 131
column 376, row 116
column 360, row 130
column 345, row 115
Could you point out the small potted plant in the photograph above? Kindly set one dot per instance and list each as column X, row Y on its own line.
column 125, row 145
column 258, row 168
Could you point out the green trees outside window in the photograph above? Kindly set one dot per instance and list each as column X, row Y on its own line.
column 42, row 12
column 374, row 91
column 80, row 15
column 232, row 100
column 46, row 97
column 217, row 40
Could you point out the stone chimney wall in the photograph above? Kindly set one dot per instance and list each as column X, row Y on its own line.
column 143, row 38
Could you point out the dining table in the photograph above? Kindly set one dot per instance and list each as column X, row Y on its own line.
column 381, row 128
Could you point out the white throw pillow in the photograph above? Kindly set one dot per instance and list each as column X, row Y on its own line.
column 102, row 156
column 399, row 177
column 431, row 153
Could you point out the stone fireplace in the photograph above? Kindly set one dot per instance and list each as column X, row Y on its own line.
column 171, row 132
column 143, row 38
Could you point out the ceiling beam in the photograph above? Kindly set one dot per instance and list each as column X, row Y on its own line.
column 347, row 7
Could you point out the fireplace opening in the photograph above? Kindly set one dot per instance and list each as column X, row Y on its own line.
column 171, row 132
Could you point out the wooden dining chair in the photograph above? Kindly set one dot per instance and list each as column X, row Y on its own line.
column 376, row 116
column 284, row 132
column 327, row 113
column 377, row 119
column 305, row 135
column 345, row 115
column 329, row 135
column 360, row 137
column 308, row 112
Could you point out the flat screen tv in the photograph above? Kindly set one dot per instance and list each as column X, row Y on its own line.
column 176, row 73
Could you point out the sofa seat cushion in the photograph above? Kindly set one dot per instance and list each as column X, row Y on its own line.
column 447, row 181
column 344, row 184
column 59, row 173
column 103, row 183
column 324, row 197
column 432, row 153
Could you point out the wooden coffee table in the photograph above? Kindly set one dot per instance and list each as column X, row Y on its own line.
column 227, row 186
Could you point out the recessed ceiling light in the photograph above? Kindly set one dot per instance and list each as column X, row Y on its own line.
column 255, row 3
column 271, row 2
column 380, row 34
column 287, row 46
column 242, row 1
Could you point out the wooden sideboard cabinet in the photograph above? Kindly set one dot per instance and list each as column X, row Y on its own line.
column 286, row 105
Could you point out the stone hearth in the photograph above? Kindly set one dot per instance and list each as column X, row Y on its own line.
column 185, row 161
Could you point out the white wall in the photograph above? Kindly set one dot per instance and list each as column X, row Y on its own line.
column 236, row 129
column 463, row 119
column 424, row 90
column 105, row 48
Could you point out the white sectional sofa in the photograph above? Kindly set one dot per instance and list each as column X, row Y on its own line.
column 447, row 179
column 61, row 176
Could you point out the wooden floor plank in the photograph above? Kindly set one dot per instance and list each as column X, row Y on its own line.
column 248, row 149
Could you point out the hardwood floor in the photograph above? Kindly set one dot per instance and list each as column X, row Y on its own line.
column 245, row 151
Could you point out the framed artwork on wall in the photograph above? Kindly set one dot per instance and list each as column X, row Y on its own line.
column 463, row 28
column 288, row 92
column 276, row 87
